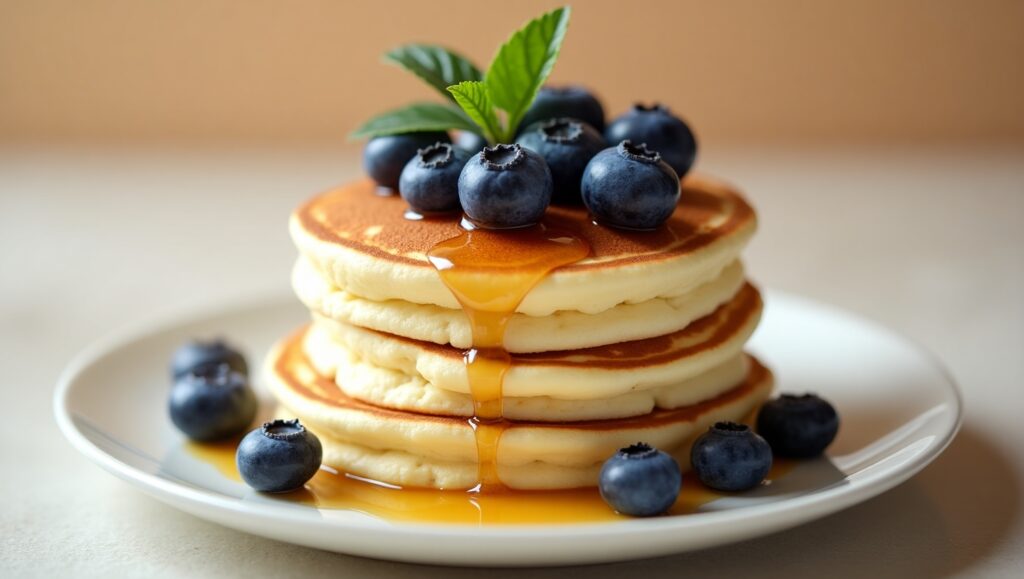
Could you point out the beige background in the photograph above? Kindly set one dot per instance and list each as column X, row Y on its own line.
column 308, row 71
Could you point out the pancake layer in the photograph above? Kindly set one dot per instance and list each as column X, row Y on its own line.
column 399, row 391
column 412, row 449
column 628, row 379
column 564, row 330
column 361, row 243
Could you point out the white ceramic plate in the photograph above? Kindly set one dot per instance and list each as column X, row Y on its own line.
column 898, row 408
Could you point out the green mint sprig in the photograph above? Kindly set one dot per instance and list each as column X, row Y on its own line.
column 491, row 104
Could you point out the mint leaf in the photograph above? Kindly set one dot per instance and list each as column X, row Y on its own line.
column 522, row 65
column 414, row 118
column 472, row 96
column 436, row 65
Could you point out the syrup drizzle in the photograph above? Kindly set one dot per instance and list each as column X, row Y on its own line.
column 490, row 273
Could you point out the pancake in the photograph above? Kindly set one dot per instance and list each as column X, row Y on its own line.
column 564, row 330
column 422, row 450
column 393, row 389
column 362, row 244
column 627, row 379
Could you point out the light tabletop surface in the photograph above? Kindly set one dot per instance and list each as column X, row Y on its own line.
column 929, row 241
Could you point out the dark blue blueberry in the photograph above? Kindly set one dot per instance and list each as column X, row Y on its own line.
column 640, row 481
column 430, row 180
column 504, row 187
column 798, row 426
column 567, row 145
column 730, row 457
column 629, row 186
column 470, row 142
column 212, row 403
column 570, row 101
column 660, row 130
column 278, row 456
column 385, row 157
column 197, row 354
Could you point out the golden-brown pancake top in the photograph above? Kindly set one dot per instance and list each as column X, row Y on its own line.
column 355, row 216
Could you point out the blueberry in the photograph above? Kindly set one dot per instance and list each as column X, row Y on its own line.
column 504, row 187
column 278, row 456
column 570, row 101
column 640, row 481
column 197, row 354
column 212, row 403
column 798, row 426
column 470, row 142
column 629, row 186
column 430, row 180
column 730, row 457
column 567, row 145
column 660, row 130
column 385, row 157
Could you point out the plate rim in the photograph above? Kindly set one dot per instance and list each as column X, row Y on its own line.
column 801, row 508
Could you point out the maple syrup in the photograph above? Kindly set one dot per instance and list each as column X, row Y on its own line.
column 490, row 273
column 330, row 489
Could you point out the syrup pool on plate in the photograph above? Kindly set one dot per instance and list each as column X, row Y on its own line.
column 330, row 489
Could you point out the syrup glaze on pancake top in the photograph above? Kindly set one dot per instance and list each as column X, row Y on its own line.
column 363, row 244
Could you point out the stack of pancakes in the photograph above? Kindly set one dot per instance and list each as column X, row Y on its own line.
column 641, row 341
